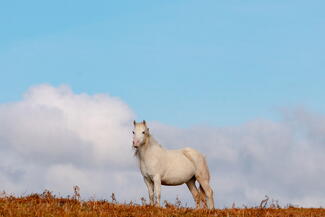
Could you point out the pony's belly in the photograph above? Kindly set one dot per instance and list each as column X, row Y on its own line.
column 177, row 176
column 170, row 182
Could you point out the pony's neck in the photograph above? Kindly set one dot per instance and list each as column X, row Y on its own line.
column 149, row 141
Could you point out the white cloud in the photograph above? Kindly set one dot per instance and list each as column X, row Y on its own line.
column 52, row 137
column 55, row 139
column 55, row 125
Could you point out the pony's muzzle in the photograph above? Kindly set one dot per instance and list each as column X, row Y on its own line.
column 135, row 145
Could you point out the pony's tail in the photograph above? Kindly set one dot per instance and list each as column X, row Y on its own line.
column 205, row 174
column 202, row 169
column 205, row 168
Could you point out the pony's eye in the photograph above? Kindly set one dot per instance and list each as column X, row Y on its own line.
column 143, row 132
column 133, row 132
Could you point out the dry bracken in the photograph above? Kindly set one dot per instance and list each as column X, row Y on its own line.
column 48, row 205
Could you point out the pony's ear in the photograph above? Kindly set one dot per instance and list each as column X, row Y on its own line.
column 144, row 122
column 134, row 123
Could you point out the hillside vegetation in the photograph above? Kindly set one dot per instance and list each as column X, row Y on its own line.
column 48, row 205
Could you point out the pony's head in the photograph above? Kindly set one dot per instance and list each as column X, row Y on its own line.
column 140, row 133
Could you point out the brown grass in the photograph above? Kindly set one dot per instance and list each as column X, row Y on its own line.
column 46, row 204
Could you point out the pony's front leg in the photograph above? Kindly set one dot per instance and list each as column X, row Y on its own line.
column 157, row 183
column 150, row 185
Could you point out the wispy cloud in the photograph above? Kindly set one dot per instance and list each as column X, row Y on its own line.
column 281, row 159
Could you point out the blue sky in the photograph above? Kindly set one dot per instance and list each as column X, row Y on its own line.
column 236, row 80
column 177, row 62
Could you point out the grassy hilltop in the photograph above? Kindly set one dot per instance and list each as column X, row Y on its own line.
column 46, row 204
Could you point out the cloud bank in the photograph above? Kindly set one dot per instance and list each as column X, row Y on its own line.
column 281, row 159
column 55, row 139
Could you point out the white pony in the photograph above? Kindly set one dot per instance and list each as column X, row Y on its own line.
column 160, row 166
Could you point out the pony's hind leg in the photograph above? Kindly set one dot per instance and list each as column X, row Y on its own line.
column 195, row 193
column 204, row 184
column 203, row 197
